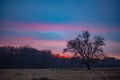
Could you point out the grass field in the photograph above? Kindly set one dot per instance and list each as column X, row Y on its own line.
column 60, row 74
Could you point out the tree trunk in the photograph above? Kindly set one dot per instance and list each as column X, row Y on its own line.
column 88, row 66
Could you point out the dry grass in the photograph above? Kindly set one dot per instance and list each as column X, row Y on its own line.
column 60, row 74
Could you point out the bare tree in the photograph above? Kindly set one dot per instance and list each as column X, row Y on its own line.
column 88, row 48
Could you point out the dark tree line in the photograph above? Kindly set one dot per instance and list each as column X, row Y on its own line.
column 27, row 57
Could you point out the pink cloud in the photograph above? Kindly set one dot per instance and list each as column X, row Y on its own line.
column 54, row 45
column 112, row 47
column 52, row 27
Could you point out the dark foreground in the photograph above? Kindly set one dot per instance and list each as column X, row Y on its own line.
column 60, row 74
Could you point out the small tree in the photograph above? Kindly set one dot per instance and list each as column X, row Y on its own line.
column 88, row 48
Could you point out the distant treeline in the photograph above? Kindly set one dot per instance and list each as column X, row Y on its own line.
column 27, row 57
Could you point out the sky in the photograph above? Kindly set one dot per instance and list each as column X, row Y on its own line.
column 49, row 24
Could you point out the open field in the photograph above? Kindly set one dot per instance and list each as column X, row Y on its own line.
column 60, row 74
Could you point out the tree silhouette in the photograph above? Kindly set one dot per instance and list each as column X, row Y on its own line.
column 28, row 57
column 88, row 48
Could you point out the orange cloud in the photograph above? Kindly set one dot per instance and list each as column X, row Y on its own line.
column 63, row 55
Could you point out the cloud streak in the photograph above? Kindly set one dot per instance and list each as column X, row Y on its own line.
column 53, row 27
column 53, row 45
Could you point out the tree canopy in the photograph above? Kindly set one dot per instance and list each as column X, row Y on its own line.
column 86, row 46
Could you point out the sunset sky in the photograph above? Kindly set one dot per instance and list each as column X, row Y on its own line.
column 48, row 24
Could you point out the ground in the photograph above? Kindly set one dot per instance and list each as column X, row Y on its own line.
column 60, row 74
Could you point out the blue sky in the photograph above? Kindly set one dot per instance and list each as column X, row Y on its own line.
column 62, row 11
